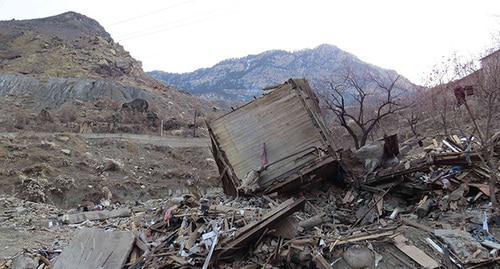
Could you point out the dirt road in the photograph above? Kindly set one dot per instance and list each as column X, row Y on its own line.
column 171, row 141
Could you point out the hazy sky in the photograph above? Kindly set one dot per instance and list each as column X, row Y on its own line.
column 183, row 35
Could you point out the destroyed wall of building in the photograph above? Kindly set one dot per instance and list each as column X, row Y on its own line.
column 285, row 125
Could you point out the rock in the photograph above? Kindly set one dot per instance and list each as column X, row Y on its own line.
column 55, row 92
column 137, row 105
column 107, row 193
column 102, row 62
column 372, row 155
column 152, row 118
column 111, row 165
column 123, row 64
column 359, row 257
column 62, row 138
column 47, row 145
column 66, row 151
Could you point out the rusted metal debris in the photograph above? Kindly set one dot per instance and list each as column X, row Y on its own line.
column 275, row 143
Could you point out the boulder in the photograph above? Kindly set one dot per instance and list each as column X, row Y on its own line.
column 111, row 165
column 137, row 105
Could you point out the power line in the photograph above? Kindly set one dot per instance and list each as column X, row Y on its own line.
column 168, row 26
column 151, row 13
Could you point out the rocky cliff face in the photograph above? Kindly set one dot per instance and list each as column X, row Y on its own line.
column 241, row 79
column 66, row 45
column 54, row 92
column 70, row 57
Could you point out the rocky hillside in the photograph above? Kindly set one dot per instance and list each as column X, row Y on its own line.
column 69, row 57
column 242, row 78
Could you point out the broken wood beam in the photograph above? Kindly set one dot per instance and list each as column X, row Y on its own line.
column 416, row 254
column 358, row 238
column 417, row 225
column 255, row 229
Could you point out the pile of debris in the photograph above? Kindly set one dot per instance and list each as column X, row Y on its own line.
column 297, row 203
column 426, row 212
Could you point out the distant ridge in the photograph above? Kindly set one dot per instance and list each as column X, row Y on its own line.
column 242, row 78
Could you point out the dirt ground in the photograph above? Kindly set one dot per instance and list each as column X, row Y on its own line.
column 68, row 170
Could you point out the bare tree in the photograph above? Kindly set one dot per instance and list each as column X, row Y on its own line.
column 359, row 102
column 486, row 86
column 413, row 119
column 477, row 90
column 442, row 105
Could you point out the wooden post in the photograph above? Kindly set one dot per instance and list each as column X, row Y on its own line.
column 161, row 128
column 194, row 123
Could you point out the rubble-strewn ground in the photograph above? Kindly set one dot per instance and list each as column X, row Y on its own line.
column 373, row 221
column 42, row 174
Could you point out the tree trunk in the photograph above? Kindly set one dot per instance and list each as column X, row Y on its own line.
column 364, row 137
column 493, row 186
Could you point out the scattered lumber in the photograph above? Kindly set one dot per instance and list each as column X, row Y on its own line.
column 255, row 229
column 419, row 256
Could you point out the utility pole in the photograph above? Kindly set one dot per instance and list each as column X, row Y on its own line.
column 161, row 128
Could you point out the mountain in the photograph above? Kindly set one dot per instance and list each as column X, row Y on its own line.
column 67, row 58
column 242, row 78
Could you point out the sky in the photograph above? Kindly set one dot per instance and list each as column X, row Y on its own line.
column 183, row 35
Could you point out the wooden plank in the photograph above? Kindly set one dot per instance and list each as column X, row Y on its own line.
column 416, row 254
column 417, row 225
column 362, row 238
column 96, row 248
column 482, row 187
column 255, row 229
column 302, row 177
column 397, row 173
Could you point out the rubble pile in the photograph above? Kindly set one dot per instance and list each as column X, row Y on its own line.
column 429, row 211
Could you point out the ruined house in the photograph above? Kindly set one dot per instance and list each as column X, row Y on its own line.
column 275, row 143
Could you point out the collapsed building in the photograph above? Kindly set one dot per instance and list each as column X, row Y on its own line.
column 275, row 143
column 429, row 209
